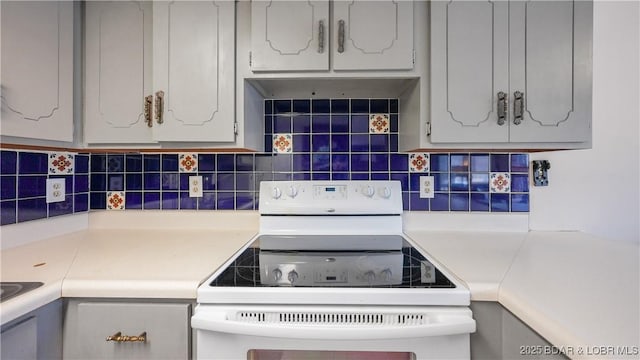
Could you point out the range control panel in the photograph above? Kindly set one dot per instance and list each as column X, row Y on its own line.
column 331, row 197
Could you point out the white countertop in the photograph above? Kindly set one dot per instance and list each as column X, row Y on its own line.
column 572, row 288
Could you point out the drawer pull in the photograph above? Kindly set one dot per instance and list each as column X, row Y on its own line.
column 118, row 337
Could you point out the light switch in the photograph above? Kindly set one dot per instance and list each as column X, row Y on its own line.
column 426, row 187
column 56, row 190
column 195, row 186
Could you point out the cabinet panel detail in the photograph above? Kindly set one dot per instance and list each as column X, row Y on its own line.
column 368, row 35
column 278, row 33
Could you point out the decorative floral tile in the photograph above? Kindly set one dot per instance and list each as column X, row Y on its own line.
column 379, row 123
column 419, row 162
column 282, row 143
column 188, row 162
column 500, row 182
column 61, row 163
column 115, row 200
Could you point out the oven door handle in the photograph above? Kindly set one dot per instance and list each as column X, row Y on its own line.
column 437, row 326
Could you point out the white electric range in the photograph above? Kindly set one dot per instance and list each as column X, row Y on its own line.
column 331, row 276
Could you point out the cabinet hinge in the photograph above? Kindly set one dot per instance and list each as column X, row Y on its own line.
column 413, row 57
column 250, row 58
column 235, row 128
column 428, row 128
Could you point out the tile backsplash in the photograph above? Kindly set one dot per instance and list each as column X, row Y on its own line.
column 325, row 139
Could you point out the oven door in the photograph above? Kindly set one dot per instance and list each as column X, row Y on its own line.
column 332, row 332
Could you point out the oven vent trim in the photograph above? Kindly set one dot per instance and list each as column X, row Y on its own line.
column 333, row 318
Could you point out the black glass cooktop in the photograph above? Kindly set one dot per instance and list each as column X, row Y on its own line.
column 244, row 271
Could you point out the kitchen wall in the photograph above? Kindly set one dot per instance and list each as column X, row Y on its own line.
column 598, row 190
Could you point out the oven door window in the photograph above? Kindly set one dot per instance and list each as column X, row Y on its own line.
column 327, row 355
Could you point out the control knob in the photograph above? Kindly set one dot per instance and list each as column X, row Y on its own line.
column 292, row 191
column 368, row 191
column 277, row 274
column 292, row 276
column 386, row 275
column 370, row 276
column 276, row 192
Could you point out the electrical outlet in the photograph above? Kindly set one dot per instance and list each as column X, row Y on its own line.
column 55, row 190
column 195, row 186
column 426, row 187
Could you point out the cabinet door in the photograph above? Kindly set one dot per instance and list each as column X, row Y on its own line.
column 289, row 35
column 193, row 60
column 117, row 71
column 551, row 65
column 20, row 341
column 469, row 67
column 88, row 324
column 37, row 69
column 372, row 35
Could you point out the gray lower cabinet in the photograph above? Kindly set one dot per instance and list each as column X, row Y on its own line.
column 501, row 335
column 36, row 335
column 110, row 329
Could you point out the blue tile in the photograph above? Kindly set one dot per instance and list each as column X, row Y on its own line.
column 68, row 182
column 379, row 142
column 321, row 176
column 379, row 106
column 339, row 123
column 393, row 105
column 32, row 209
column 208, row 181
column 321, row 143
column 302, row 124
column 301, row 143
column 225, row 201
column 479, row 202
column 281, row 106
column 151, row 162
column 441, row 182
column 379, row 162
column 81, row 183
column 320, row 123
column 340, row 162
column 359, row 176
column 301, row 162
column 8, row 212
column 184, row 181
column 340, row 142
column 519, row 182
column 225, row 181
column 499, row 202
column 459, row 162
column 80, row 203
column 62, row 208
column 282, row 162
column 151, row 181
column 133, row 200
column 359, row 162
column 170, row 162
column 302, row 106
column 282, row 176
column 263, row 162
column 133, row 182
column 244, row 162
column 32, row 186
column 133, row 163
column 300, row 176
column 98, row 163
column 206, row 162
column 170, row 181
column 244, row 182
column 405, row 201
column 8, row 162
column 115, row 163
column 379, row 176
column 480, row 182
column 480, row 162
column 360, row 143
column 115, row 182
column 98, row 182
column 268, row 124
column 393, row 123
column 440, row 202
column 520, row 163
column 499, row 162
column 459, row 201
column 340, row 106
column 439, row 162
column 282, row 124
column 320, row 106
column 360, row 124
column 459, row 182
column 98, row 200
column 151, row 200
column 393, row 142
column 320, row 162
column 188, row 203
column 418, row 204
column 399, row 162
column 414, row 181
column 244, row 201
column 32, row 163
column 207, row 201
column 403, row 178
column 268, row 106
column 360, row 106
column 226, row 162
column 170, row 200
column 520, row 202
column 81, row 165
column 7, row 187
column 340, row 176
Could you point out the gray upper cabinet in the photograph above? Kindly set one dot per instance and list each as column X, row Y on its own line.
column 511, row 72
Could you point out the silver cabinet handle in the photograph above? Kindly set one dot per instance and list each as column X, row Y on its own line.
column 159, row 106
column 321, row 36
column 518, row 107
column 341, row 36
column 502, row 108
